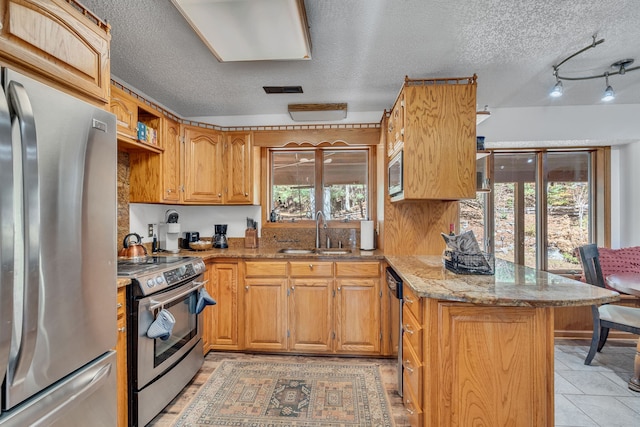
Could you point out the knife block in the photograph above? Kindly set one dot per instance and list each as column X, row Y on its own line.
column 251, row 238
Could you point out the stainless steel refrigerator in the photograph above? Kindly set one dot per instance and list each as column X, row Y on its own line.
column 58, row 256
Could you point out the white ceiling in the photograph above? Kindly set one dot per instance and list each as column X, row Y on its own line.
column 362, row 50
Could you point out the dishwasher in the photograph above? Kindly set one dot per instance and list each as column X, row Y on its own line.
column 394, row 282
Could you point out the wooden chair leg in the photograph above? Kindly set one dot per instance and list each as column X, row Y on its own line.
column 595, row 338
column 604, row 333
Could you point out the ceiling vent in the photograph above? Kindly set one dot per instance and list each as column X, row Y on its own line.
column 282, row 89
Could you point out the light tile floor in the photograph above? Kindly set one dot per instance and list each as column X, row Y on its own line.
column 595, row 395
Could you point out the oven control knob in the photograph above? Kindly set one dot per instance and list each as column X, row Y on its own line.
column 182, row 270
column 159, row 280
column 150, row 283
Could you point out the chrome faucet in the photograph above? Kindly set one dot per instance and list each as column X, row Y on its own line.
column 324, row 220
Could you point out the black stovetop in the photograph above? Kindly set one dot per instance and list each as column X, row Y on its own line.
column 131, row 268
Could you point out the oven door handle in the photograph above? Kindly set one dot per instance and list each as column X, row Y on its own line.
column 153, row 304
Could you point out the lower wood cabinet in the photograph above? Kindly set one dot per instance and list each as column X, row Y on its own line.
column 121, row 357
column 358, row 298
column 467, row 364
column 221, row 320
column 312, row 306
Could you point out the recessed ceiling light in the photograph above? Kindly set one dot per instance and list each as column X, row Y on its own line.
column 317, row 112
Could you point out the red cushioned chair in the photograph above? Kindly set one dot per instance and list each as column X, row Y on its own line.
column 608, row 315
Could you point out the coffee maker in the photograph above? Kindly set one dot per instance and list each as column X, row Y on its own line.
column 169, row 232
column 220, row 236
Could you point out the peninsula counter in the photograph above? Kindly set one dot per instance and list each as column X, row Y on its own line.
column 478, row 350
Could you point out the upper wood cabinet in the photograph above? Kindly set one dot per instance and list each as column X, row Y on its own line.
column 395, row 127
column 54, row 41
column 218, row 168
column 203, row 173
column 155, row 177
column 434, row 123
column 171, row 162
column 239, row 182
column 126, row 110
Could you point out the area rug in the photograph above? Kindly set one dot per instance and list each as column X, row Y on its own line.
column 265, row 394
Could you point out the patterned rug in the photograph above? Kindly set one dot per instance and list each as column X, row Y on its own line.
column 258, row 394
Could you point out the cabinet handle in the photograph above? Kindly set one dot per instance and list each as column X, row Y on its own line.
column 123, row 329
column 407, row 329
column 407, row 366
column 293, row 288
column 246, row 194
column 408, row 300
column 311, row 266
column 119, row 305
column 219, row 194
column 409, row 410
column 339, row 288
column 246, row 288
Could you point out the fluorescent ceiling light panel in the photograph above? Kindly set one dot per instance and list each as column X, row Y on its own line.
column 317, row 112
column 250, row 30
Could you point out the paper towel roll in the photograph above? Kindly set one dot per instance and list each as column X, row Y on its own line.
column 366, row 236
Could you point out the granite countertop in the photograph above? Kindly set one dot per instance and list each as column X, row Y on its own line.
column 512, row 285
column 272, row 253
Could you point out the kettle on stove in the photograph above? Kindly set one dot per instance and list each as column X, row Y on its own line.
column 134, row 251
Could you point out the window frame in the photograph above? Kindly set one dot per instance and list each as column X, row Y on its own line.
column 599, row 206
column 318, row 151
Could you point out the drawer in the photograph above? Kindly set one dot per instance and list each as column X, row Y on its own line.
column 412, row 368
column 358, row 269
column 311, row 269
column 265, row 269
column 411, row 404
column 121, row 303
column 412, row 331
column 412, row 302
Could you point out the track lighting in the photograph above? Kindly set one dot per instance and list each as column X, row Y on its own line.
column 620, row 68
column 609, row 95
column 557, row 90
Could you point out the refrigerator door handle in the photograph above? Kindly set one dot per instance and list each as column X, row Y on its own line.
column 6, row 232
column 21, row 108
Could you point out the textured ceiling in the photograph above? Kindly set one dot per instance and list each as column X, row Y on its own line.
column 362, row 50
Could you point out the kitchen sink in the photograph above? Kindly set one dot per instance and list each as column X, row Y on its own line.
column 333, row 251
column 320, row 251
column 294, row 251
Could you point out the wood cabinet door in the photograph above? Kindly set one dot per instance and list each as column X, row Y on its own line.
column 440, row 126
column 265, row 314
column 493, row 368
column 126, row 111
column 207, row 313
column 55, row 41
column 121, row 358
column 358, row 316
column 310, row 315
column 238, row 186
column 224, row 277
column 203, row 165
column 171, row 169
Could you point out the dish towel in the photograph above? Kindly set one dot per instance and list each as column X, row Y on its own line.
column 162, row 326
column 204, row 299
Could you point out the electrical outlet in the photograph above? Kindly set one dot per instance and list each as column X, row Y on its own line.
column 150, row 232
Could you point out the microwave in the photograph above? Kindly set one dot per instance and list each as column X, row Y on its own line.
column 395, row 175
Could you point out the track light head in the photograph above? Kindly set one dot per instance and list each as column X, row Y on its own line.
column 557, row 90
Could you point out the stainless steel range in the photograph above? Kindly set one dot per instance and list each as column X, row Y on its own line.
column 165, row 334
